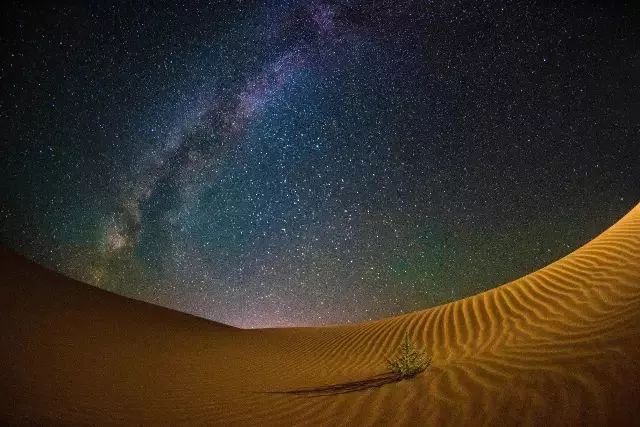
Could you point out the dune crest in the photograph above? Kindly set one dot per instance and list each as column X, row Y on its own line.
column 560, row 346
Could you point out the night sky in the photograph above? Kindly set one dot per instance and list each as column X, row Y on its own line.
column 302, row 163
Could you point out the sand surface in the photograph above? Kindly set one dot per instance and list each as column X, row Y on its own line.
column 560, row 346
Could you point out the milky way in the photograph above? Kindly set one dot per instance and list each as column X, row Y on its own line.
column 300, row 163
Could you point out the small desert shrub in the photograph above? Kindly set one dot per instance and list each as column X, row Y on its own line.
column 410, row 362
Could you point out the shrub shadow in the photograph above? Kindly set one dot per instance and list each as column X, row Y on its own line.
column 342, row 388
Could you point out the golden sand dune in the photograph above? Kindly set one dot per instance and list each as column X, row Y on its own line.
column 560, row 346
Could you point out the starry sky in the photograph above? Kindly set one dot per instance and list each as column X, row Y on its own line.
column 314, row 162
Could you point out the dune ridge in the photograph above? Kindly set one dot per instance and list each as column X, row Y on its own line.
column 559, row 346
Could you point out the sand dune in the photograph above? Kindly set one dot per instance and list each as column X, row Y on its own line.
column 560, row 346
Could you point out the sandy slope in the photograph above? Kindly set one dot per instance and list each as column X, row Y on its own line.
column 560, row 346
